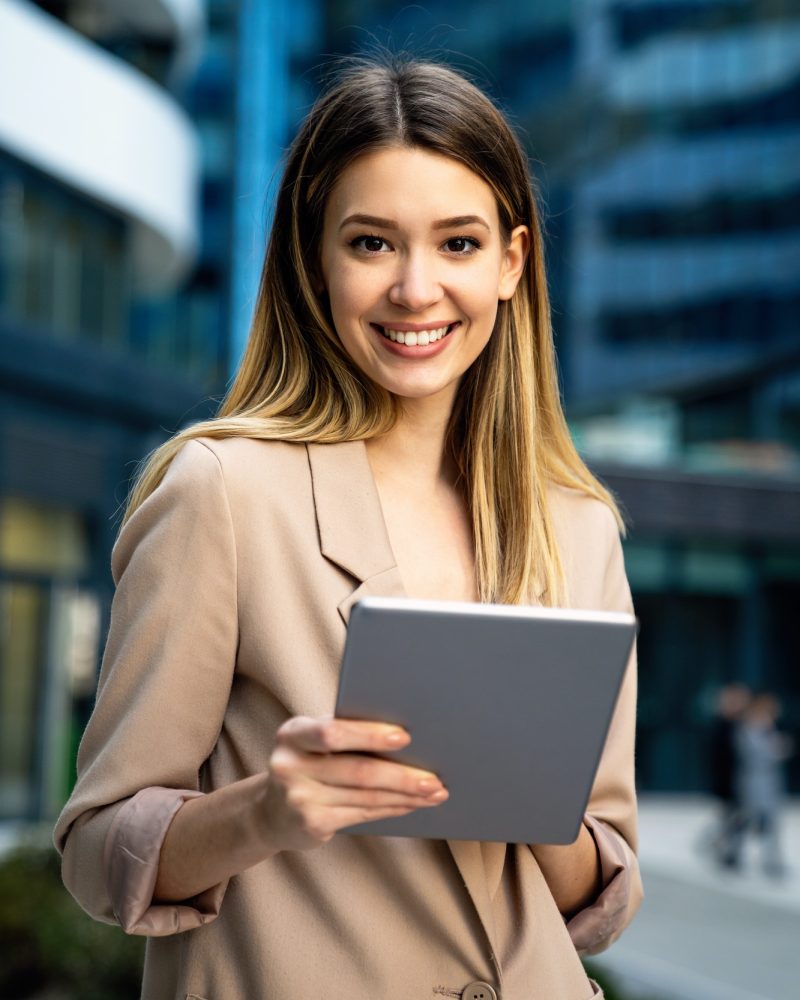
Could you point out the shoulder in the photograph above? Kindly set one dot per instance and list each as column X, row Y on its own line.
column 580, row 518
column 589, row 544
column 208, row 480
column 258, row 483
column 242, row 466
column 236, row 456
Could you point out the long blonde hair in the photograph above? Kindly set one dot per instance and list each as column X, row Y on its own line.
column 296, row 382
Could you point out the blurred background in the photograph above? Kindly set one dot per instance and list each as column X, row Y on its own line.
column 140, row 144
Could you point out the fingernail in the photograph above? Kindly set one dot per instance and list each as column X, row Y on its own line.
column 397, row 737
column 429, row 785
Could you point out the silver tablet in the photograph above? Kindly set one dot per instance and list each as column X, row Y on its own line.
column 509, row 705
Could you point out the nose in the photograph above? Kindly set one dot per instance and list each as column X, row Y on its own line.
column 415, row 285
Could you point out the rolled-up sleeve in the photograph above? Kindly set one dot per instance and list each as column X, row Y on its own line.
column 596, row 926
column 611, row 811
column 130, row 863
column 164, row 687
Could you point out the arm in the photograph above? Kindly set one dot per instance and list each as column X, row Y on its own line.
column 595, row 881
column 163, row 690
column 611, row 811
column 572, row 871
column 142, row 846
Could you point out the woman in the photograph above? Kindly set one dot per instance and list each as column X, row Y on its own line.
column 394, row 428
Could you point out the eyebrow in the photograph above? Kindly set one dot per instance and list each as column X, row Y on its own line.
column 452, row 223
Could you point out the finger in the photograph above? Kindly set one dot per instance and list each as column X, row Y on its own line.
column 361, row 771
column 337, row 797
column 329, row 735
column 349, row 816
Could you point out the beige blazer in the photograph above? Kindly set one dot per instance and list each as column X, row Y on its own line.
column 234, row 583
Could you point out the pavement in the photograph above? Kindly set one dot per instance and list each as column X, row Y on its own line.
column 703, row 933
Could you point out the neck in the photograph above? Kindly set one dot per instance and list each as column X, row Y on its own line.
column 412, row 453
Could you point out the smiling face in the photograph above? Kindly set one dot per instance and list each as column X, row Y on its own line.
column 414, row 265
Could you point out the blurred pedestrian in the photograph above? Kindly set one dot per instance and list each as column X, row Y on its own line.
column 732, row 701
column 761, row 751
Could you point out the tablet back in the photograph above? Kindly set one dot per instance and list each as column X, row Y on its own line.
column 509, row 705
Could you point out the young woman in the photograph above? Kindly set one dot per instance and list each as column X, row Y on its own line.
column 394, row 428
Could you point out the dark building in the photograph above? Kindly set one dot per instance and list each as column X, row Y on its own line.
column 134, row 202
column 99, row 174
column 681, row 344
column 665, row 139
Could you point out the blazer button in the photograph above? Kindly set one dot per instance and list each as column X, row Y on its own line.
column 479, row 991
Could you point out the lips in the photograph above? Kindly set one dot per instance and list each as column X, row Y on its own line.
column 415, row 338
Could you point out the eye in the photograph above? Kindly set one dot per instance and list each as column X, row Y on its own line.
column 369, row 244
column 462, row 246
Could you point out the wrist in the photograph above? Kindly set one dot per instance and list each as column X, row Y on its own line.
column 572, row 871
column 255, row 820
column 556, row 852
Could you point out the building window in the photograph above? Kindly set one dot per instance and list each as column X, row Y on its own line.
column 64, row 264
column 49, row 647
column 721, row 215
column 637, row 23
column 733, row 319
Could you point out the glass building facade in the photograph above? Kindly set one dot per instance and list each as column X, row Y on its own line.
column 665, row 140
column 66, row 274
column 123, row 309
column 97, row 359
column 681, row 312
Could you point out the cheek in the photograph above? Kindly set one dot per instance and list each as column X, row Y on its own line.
column 350, row 291
column 479, row 293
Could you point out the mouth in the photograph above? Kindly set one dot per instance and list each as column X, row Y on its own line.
column 415, row 338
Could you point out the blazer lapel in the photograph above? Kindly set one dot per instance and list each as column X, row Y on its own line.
column 468, row 857
column 352, row 531
column 353, row 534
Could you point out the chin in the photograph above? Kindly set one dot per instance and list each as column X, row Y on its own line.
column 414, row 391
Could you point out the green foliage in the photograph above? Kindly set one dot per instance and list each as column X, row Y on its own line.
column 602, row 979
column 51, row 949
column 611, row 988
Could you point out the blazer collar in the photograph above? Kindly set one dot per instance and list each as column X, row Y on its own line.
column 352, row 530
column 353, row 534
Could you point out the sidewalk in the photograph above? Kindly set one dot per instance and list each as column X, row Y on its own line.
column 703, row 934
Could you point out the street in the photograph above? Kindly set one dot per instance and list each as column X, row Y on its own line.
column 702, row 934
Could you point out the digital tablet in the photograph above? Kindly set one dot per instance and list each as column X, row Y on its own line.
column 509, row 705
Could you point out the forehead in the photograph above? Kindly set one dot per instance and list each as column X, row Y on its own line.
column 411, row 185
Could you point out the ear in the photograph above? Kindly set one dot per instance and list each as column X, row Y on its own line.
column 514, row 258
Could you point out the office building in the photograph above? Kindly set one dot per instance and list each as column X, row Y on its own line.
column 664, row 137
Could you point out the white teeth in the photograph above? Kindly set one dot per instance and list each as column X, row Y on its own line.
column 412, row 338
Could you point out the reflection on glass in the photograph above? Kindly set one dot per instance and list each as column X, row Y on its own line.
column 41, row 538
column 49, row 647
column 23, row 613
column 65, row 273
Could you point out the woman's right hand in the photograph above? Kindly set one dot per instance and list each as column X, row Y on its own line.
column 321, row 779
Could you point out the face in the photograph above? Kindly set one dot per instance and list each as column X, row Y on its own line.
column 414, row 266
